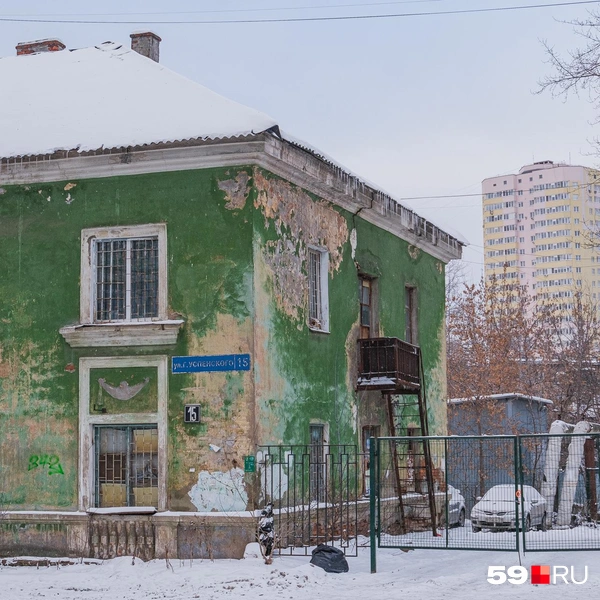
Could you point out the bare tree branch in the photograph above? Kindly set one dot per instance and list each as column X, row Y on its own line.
column 500, row 341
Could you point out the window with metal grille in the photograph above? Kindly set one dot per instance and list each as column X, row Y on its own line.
column 126, row 279
column 410, row 315
column 126, row 465
column 366, row 307
column 318, row 308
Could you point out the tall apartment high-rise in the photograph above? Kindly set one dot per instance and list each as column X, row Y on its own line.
column 536, row 225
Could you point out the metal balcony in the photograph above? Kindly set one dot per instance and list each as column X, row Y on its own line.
column 388, row 364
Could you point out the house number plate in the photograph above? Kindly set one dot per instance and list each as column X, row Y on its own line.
column 192, row 413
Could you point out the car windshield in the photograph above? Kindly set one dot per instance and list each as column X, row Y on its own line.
column 531, row 495
column 500, row 494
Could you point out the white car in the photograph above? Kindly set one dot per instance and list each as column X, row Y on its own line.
column 497, row 509
column 456, row 507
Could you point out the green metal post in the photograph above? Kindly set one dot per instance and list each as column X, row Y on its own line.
column 517, row 488
column 446, row 484
column 372, row 502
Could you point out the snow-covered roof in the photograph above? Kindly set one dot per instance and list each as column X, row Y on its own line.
column 501, row 397
column 323, row 156
column 108, row 96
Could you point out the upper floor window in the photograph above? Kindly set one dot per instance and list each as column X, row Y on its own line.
column 318, row 293
column 123, row 275
column 411, row 315
column 366, row 307
column 123, row 289
column 126, row 286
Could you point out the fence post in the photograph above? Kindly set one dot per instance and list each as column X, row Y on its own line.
column 373, row 482
column 517, row 448
column 446, row 485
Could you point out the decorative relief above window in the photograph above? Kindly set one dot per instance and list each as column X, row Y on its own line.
column 123, row 300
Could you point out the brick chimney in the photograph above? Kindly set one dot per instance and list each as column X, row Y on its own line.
column 50, row 45
column 147, row 44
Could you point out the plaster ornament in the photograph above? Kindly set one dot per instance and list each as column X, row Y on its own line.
column 124, row 391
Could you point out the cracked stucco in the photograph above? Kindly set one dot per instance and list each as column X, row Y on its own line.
column 414, row 252
column 236, row 190
column 299, row 222
column 227, row 417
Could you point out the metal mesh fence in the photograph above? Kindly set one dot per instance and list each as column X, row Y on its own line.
column 564, row 469
column 463, row 470
column 538, row 492
column 314, row 491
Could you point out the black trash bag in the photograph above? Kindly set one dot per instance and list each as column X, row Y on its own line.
column 330, row 559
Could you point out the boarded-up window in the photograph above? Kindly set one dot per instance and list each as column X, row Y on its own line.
column 126, row 465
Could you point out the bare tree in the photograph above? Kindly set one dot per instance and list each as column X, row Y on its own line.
column 578, row 70
column 456, row 279
column 571, row 369
column 496, row 338
column 499, row 340
column 494, row 335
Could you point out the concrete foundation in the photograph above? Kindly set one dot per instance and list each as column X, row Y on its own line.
column 162, row 535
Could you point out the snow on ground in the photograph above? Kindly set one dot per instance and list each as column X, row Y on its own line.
column 418, row 574
column 582, row 537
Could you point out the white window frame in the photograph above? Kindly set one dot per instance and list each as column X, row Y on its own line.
column 89, row 237
column 88, row 420
column 159, row 330
column 321, row 321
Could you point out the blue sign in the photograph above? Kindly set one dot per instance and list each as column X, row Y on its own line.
column 202, row 364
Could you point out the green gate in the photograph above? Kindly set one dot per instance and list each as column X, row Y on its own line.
column 529, row 492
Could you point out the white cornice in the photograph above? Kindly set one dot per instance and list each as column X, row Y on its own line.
column 266, row 151
column 138, row 162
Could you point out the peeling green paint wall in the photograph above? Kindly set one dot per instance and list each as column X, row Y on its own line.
column 305, row 376
column 210, row 283
column 237, row 247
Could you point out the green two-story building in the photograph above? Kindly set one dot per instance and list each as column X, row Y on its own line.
column 181, row 285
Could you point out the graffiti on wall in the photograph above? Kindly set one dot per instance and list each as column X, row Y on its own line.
column 42, row 460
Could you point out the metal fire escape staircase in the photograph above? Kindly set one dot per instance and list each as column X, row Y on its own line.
column 396, row 369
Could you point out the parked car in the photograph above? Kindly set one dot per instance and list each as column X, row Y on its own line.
column 497, row 509
column 456, row 507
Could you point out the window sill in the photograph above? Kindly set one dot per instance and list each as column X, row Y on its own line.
column 123, row 510
column 150, row 333
column 318, row 330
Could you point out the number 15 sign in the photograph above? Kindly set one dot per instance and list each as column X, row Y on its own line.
column 192, row 413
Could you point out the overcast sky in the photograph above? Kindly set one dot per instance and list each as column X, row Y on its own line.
column 421, row 106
